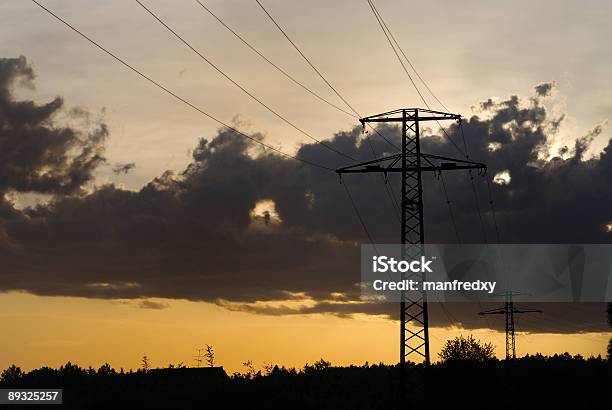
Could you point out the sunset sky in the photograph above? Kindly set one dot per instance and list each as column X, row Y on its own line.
column 114, row 265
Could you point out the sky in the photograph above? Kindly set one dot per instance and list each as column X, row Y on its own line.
column 130, row 258
column 467, row 52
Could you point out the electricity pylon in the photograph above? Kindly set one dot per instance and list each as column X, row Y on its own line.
column 411, row 163
column 509, row 310
column 199, row 357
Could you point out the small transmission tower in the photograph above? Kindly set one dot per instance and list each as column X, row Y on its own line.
column 509, row 310
column 411, row 163
column 199, row 357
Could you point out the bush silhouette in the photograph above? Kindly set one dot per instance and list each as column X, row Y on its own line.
column 466, row 349
column 12, row 374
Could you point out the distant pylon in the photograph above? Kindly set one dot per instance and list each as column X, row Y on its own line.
column 509, row 310
column 199, row 357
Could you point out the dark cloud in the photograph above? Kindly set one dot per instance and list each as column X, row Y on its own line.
column 193, row 234
column 37, row 155
column 555, row 317
column 544, row 89
column 122, row 169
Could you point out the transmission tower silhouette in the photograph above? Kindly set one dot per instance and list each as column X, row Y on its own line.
column 509, row 310
column 199, row 357
column 411, row 163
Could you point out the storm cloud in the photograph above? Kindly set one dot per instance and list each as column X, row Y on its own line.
column 251, row 230
column 36, row 155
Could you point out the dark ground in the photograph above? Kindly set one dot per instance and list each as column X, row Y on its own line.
column 560, row 381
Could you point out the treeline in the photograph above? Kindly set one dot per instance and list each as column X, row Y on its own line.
column 538, row 381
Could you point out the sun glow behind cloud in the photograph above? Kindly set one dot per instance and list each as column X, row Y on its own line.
column 502, row 178
column 265, row 210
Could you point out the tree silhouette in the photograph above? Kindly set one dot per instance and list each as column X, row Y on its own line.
column 106, row 369
column 466, row 349
column 251, row 372
column 12, row 374
column 566, row 379
column 318, row 366
column 146, row 364
column 210, row 356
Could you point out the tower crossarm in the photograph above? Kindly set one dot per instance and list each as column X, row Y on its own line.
column 411, row 115
column 499, row 311
column 391, row 163
column 527, row 311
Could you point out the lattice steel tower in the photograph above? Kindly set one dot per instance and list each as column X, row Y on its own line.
column 411, row 163
column 509, row 310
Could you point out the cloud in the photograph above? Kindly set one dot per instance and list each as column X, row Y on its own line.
column 544, row 89
column 123, row 168
column 194, row 234
column 151, row 304
column 36, row 154
column 555, row 317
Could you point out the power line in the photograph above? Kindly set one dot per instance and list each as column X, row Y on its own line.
column 478, row 209
column 392, row 40
column 185, row 42
column 477, row 205
column 450, row 209
column 492, row 207
column 394, row 203
column 284, row 119
column 476, row 201
column 452, row 216
column 189, row 104
column 305, row 58
column 176, row 96
column 361, row 220
column 385, row 28
column 393, row 196
column 318, row 72
column 386, row 187
column 455, row 228
column 375, row 9
column 279, row 69
column 358, row 214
